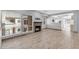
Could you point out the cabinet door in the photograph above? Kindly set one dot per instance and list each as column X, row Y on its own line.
column 30, row 20
column 13, row 29
column 7, row 32
column 25, row 22
column 25, row 29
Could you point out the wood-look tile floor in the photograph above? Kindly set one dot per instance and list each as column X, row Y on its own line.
column 46, row 39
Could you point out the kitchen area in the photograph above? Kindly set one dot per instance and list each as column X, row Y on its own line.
column 15, row 24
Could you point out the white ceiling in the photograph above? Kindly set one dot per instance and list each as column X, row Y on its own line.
column 47, row 12
column 53, row 11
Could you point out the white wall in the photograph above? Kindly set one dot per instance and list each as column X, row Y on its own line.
column 43, row 23
column 52, row 25
column 34, row 15
column 0, row 31
column 38, row 15
column 61, row 18
column 75, row 18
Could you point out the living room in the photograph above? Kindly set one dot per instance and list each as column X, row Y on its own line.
column 20, row 26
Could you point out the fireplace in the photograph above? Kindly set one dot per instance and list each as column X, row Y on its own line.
column 37, row 26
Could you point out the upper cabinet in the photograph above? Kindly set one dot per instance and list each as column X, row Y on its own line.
column 10, row 19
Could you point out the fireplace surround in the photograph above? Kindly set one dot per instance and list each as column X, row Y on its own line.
column 37, row 26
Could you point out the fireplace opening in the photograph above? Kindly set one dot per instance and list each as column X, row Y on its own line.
column 37, row 28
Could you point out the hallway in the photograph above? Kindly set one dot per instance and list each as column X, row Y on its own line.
column 46, row 39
